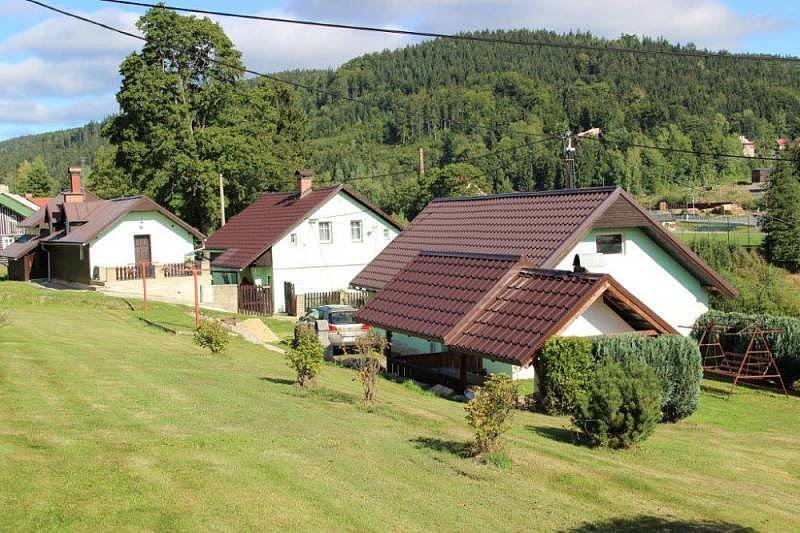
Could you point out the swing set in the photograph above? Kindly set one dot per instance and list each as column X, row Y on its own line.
column 755, row 363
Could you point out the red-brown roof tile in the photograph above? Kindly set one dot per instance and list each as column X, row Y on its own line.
column 532, row 225
column 433, row 293
column 541, row 227
column 252, row 232
column 493, row 306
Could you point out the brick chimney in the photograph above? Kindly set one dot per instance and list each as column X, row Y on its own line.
column 305, row 180
column 75, row 192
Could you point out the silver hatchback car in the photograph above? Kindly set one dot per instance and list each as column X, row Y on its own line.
column 342, row 329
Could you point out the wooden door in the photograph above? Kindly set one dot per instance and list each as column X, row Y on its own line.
column 141, row 249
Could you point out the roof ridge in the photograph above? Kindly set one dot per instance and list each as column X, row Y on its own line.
column 553, row 192
column 556, row 273
column 470, row 255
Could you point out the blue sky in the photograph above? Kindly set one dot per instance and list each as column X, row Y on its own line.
column 57, row 73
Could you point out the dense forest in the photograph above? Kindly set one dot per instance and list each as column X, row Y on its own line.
column 462, row 100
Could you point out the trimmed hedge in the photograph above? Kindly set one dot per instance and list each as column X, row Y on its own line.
column 565, row 367
column 675, row 360
column 785, row 346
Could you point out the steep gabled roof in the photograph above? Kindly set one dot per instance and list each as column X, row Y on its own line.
column 100, row 215
column 541, row 227
column 495, row 306
column 258, row 227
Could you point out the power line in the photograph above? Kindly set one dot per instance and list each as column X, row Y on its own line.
column 684, row 150
column 466, row 160
column 469, row 37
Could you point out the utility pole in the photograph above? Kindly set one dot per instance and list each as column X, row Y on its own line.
column 221, row 200
column 569, row 159
column 421, row 162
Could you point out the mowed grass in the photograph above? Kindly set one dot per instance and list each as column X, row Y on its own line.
column 107, row 423
column 738, row 237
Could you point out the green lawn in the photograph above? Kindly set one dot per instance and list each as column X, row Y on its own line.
column 107, row 423
column 740, row 236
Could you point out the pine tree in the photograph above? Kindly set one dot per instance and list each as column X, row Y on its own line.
column 782, row 221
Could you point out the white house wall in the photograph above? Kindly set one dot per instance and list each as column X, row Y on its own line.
column 598, row 319
column 169, row 243
column 315, row 266
column 650, row 274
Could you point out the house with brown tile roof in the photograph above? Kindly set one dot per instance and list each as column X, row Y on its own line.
column 311, row 239
column 493, row 313
column 79, row 238
column 568, row 247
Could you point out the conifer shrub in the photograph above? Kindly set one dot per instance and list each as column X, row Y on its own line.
column 620, row 407
column 675, row 359
column 212, row 335
column 564, row 368
column 305, row 356
column 490, row 412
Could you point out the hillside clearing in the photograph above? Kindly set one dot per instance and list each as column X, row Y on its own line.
column 106, row 423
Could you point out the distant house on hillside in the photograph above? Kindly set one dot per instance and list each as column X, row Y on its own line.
column 13, row 210
column 748, row 146
column 79, row 238
column 312, row 239
column 486, row 280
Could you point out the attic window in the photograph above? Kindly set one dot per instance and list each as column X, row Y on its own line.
column 609, row 244
column 325, row 234
column 293, row 239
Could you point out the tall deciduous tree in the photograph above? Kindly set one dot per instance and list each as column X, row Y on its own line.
column 782, row 221
column 186, row 116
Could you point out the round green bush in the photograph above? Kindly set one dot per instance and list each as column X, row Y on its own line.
column 212, row 335
column 620, row 406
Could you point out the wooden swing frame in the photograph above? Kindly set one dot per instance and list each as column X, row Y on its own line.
column 756, row 363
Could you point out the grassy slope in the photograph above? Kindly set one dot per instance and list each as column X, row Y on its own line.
column 106, row 422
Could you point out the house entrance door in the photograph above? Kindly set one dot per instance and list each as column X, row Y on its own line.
column 141, row 253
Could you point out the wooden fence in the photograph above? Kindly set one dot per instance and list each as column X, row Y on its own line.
column 354, row 298
column 129, row 272
column 178, row 270
column 255, row 300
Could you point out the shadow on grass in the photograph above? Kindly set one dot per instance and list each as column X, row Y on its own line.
column 557, row 434
column 459, row 448
column 659, row 523
column 278, row 381
column 332, row 396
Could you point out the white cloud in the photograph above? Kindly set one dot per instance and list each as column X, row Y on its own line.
column 31, row 111
column 707, row 23
column 63, row 57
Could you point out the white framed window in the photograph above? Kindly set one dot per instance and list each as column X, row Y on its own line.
column 611, row 243
column 293, row 239
column 325, row 232
column 356, row 231
column 386, row 233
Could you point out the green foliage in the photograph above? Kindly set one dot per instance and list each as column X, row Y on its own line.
column 185, row 118
column 763, row 288
column 59, row 149
column 674, row 359
column 212, row 335
column 785, row 346
column 490, row 412
column 305, row 356
column 454, row 99
column 370, row 348
column 782, row 220
column 564, row 368
column 33, row 178
column 621, row 405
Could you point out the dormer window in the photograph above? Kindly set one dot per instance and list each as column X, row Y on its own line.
column 611, row 243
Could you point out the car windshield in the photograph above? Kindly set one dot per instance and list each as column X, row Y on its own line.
column 342, row 317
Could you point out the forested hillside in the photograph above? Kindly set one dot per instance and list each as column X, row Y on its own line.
column 58, row 149
column 460, row 100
